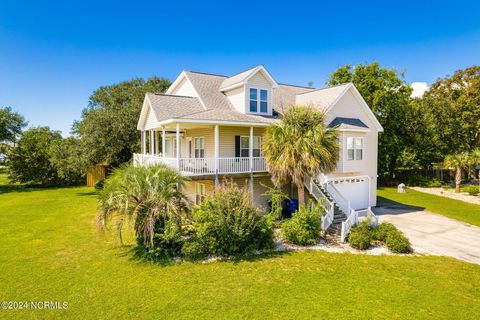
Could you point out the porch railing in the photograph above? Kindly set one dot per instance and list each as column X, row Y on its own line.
column 205, row 166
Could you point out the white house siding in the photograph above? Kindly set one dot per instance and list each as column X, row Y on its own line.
column 349, row 107
column 185, row 88
column 237, row 98
column 258, row 81
column 227, row 138
column 207, row 134
column 151, row 121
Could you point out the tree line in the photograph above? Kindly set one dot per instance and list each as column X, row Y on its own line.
column 418, row 132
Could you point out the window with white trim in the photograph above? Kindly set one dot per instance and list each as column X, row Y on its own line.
column 245, row 146
column 199, row 146
column 199, row 193
column 258, row 100
column 355, row 147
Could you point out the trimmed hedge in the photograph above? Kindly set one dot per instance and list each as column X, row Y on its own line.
column 397, row 242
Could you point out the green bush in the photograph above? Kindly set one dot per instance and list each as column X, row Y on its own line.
column 167, row 242
column 99, row 184
column 226, row 224
column 471, row 190
column 360, row 236
column 397, row 242
column 421, row 181
column 381, row 232
column 193, row 250
column 304, row 227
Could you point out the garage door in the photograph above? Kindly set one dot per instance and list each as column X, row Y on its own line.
column 355, row 190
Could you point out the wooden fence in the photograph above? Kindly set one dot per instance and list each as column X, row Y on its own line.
column 95, row 174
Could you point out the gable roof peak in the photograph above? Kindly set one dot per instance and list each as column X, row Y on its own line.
column 242, row 78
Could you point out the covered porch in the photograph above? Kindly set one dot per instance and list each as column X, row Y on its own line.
column 204, row 148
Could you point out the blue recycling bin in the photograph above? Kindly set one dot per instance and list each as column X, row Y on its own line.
column 292, row 205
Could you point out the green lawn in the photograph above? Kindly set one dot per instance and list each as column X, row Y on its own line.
column 50, row 250
column 451, row 208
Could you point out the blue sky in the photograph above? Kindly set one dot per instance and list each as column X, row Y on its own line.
column 53, row 54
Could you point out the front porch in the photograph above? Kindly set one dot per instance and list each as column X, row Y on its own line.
column 201, row 149
column 205, row 166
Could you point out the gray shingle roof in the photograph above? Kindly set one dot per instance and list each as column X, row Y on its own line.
column 237, row 78
column 171, row 106
column 347, row 123
column 218, row 106
column 322, row 97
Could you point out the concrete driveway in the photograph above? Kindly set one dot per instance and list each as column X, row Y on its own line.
column 434, row 233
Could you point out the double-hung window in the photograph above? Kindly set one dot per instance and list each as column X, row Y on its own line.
column 258, row 100
column 245, row 146
column 355, row 147
column 199, row 144
column 199, row 193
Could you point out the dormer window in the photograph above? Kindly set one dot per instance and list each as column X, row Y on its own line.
column 258, row 100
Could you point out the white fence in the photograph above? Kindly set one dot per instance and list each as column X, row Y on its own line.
column 356, row 217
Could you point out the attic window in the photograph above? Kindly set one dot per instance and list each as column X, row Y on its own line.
column 258, row 105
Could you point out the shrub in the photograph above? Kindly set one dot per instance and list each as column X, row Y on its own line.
column 422, row 181
column 360, row 236
column 397, row 242
column 193, row 250
column 304, row 227
column 167, row 242
column 227, row 224
column 381, row 232
column 471, row 190
column 99, row 184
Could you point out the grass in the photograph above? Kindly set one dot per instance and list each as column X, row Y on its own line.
column 456, row 209
column 50, row 250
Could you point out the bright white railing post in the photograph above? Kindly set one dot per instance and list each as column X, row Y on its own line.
column 216, row 145
column 250, row 149
column 163, row 142
column 177, row 135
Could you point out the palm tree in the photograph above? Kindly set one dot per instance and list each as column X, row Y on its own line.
column 457, row 162
column 299, row 146
column 144, row 195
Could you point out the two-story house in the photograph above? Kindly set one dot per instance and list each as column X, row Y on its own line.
column 210, row 126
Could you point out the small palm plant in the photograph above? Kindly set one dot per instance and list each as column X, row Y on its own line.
column 299, row 146
column 144, row 195
column 457, row 162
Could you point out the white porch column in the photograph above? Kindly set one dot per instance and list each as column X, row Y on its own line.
column 163, row 142
column 178, row 144
column 143, row 142
column 217, row 147
column 250, row 149
column 152, row 143
column 157, row 143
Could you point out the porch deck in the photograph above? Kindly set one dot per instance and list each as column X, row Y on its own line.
column 205, row 166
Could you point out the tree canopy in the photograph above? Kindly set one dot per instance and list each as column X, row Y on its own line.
column 29, row 161
column 108, row 127
column 11, row 124
column 388, row 95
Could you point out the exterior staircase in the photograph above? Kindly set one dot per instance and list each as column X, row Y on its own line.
column 332, row 221
column 336, row 223
column 333, row 233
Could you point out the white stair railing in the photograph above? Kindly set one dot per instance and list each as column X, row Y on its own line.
column 355, row 217
column 342, row 202
column 328, row 205
column 348, row 224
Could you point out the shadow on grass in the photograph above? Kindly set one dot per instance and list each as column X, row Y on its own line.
column 389, row 206
column 130, row 252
